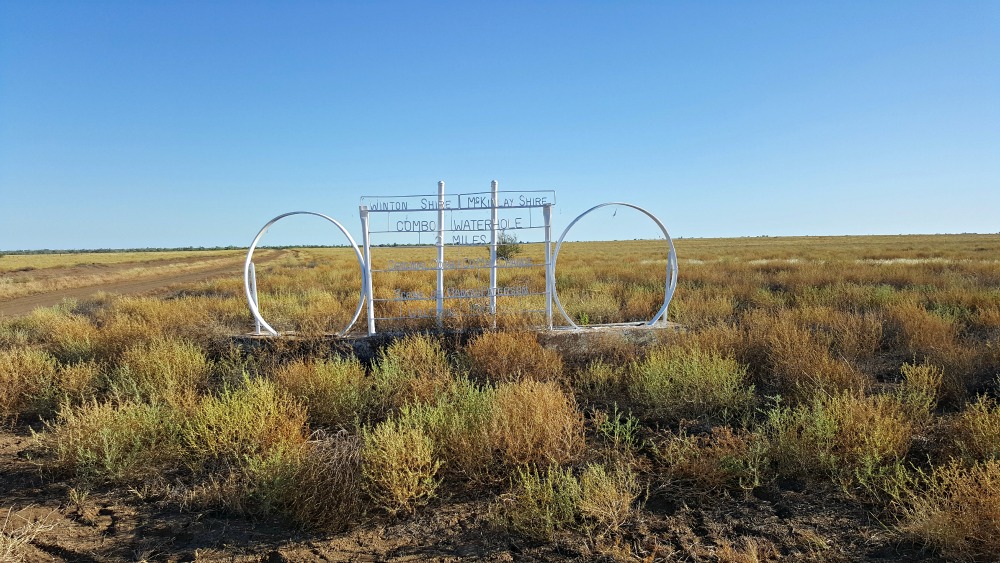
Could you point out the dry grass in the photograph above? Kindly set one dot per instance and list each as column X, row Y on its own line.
column 33, row 274
column 536, row 422
column 16, row 533
column 957, row 512
column 874, row 345
column 510, row 356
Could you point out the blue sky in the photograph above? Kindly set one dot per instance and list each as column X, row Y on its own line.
column 134, row 124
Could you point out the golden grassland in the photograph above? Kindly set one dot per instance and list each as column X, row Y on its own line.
column 15, row 262
column 862, row 367
column 23, row 275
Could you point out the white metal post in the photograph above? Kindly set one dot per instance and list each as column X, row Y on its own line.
column 494, row 185
column 440, row 258
column 253, row 293
column 366, row 276
column 550, row 281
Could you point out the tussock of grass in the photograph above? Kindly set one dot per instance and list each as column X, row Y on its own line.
column 326, row 489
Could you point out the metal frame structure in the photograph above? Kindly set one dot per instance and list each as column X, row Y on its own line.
column 671, row 284
column 250, row 275
column 394, row 204
column 364, row 261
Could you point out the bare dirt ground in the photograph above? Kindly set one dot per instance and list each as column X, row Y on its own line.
column 147, row 283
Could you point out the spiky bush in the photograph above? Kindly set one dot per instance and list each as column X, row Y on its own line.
column 242, row 424
column 957, row 511
column 30, row 381
column 165, row 370
column 607, row 496
column 108, row 442
column 848, row 438
column 723, row 460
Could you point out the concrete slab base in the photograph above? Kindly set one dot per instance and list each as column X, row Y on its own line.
column 571, row 343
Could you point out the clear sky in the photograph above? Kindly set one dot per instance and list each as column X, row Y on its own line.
column 191, row 123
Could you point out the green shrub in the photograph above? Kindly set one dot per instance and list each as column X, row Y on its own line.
column 107, row 442
column 920, row 391
column 411, row 370
column 676, row 383
column 620, row 432
column 540, row 503
column 398, row 466
column 335, row 392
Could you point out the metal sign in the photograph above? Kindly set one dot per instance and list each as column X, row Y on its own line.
column 467, row 224
column 464, row 247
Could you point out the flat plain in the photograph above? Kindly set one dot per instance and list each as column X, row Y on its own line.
column 830, row 398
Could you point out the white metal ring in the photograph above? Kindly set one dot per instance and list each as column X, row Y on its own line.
column 246, row 269
column 671, row 284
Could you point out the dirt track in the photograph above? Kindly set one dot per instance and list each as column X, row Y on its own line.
column 146, row 284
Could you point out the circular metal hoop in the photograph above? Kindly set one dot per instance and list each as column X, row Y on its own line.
column 671, row 284
column 246, row 270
